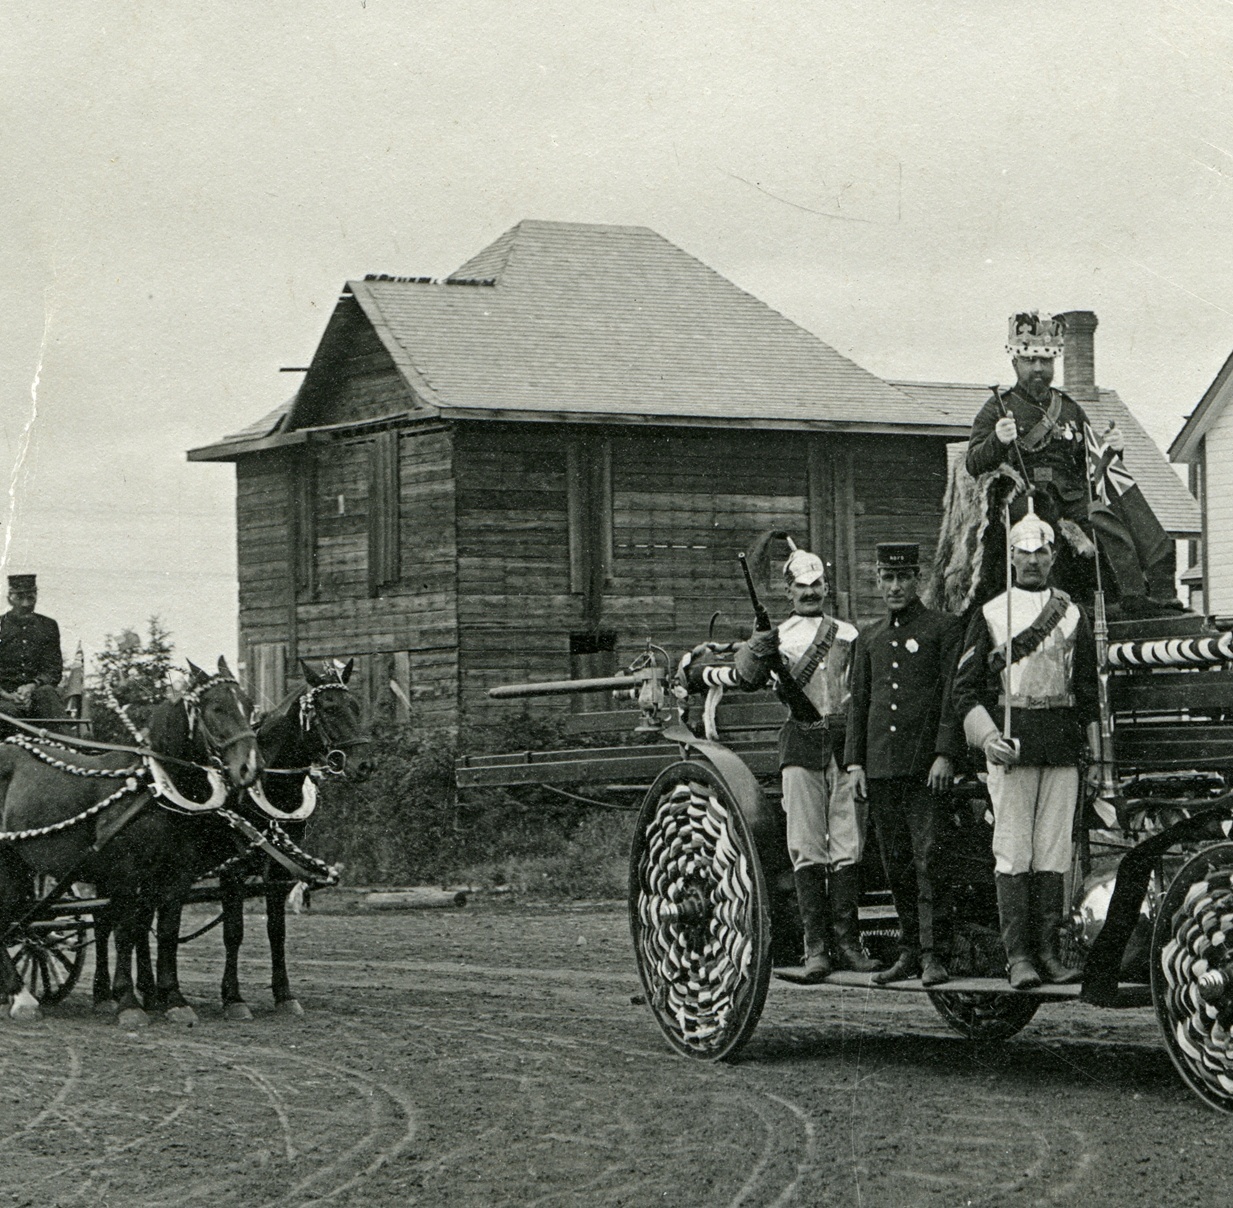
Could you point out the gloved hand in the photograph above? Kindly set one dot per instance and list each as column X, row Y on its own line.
column 1006, row 429
column 763, row 643
column 1000, row 751
column 1114, row 439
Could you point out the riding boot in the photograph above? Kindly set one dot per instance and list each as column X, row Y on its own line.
column 1048, row 894
column 815, row 918
column 845, row 924
column 907, row 965
column 1014, row 913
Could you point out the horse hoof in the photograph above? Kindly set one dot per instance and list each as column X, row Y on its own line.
column 186, row 1017
column 288, row 1006
column 132, row 1018
column 106, row 1006
column 25, row 1008
column 238, row 1011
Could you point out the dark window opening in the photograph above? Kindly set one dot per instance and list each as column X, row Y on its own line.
column 592, row 655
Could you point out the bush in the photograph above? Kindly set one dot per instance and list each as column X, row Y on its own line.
column 408, row 825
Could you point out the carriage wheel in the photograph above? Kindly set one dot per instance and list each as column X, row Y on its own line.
column 1192, row 974
column 49, row 957
column 981, row 1015
column 699, row 913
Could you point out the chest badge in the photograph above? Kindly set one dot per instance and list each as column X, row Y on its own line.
column 911, row 645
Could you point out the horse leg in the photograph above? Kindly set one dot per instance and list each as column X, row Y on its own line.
column 130, row 921
column 147, row 987
column 169, row 997
column 231, row 895
column 23, row 1006
column 285, row 1002
column 104, row 1001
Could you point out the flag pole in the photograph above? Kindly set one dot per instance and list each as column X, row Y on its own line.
column 1009, row 621
column 1108, row 780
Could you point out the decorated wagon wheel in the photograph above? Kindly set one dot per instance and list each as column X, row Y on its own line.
column 986, row 1016
column 1192, row 973
column 49, row 956
column 699, row 913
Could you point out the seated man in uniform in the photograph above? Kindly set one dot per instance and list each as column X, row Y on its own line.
column 30, row 661
column 1041, row 435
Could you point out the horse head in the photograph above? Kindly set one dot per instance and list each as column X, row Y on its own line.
column 333, row 720
column 217, row 711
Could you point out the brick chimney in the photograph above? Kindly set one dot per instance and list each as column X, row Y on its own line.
column 1079, row 360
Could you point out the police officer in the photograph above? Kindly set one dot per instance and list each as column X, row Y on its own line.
column 825, row 823
column 30, row 660
column 1033, row 775
column 1040, row 434
column 901, row 748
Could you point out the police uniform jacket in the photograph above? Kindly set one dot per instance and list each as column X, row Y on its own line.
column 1053, row 690
column 901, row 670
column 29, row 651
column 1057, row 465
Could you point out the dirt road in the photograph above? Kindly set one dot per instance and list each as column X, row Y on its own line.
column 491, row 1055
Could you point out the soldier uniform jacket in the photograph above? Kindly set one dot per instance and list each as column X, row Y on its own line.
column 827, row 688
column 1053, row 689
column 901, row 669
column 29, row 651
column 1058, row 463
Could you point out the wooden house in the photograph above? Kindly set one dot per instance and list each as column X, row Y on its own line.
column 1205, row 447
column 531, row 467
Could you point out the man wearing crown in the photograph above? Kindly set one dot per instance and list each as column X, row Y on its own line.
column 825, row 822
column 1030, row 648
column 1041, row 435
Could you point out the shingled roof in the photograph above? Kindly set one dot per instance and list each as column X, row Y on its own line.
column 1175, row 507
column 572, row 321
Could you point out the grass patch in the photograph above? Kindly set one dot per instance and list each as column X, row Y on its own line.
column 407, row 825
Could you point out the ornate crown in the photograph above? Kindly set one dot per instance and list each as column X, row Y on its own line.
column 1035, row 335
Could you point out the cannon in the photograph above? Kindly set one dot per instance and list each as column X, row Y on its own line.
column 1151, row 888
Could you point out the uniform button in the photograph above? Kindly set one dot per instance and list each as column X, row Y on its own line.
column 893, row 707
column 894, row 643
column 892, row 729
column 895, row 665
column 895, row 686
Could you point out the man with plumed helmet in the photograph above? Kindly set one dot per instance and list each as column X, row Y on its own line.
column 1031, row 646
column 30, row 659
column 901, row 747
column 1041, row 434
column 825, row 823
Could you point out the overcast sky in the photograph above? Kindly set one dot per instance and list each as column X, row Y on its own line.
column 188, row 186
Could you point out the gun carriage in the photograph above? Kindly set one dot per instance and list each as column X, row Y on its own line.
column 710, row 906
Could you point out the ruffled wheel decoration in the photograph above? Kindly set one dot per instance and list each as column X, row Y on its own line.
column 1192, row 974
column 699, row 913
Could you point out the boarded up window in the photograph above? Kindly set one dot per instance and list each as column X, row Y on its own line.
column 383, row 513
column 303, row 490
column 267, row 673
column 589, row 492
column 341, row 519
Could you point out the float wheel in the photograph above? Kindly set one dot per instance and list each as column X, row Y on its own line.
column 1192, row 973
column 699, row 913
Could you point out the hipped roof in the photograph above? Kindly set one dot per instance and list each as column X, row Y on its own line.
column 611, row 324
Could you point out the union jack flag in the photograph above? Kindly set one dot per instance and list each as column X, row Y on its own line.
column 1110, row 478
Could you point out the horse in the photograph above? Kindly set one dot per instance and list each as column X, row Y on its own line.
column 312, row 731
column 134, row 853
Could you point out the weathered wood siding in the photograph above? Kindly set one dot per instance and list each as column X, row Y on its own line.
column 263, row 551
column 682, row 504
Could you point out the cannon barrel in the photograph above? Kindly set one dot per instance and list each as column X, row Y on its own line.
column 563, row 687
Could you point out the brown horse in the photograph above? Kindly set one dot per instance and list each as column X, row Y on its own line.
column 316, row 729
column 93, row 818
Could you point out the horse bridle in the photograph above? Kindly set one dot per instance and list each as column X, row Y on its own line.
column 191, row 699
column 335, row 761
